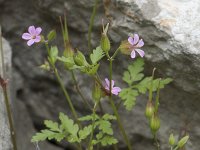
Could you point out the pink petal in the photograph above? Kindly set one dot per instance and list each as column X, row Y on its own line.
column 38, row 30
column 113, row 83
column 140, row 43
column 107, row 82
column 140, row 52
column 116, row 90
column 32, row 30
column 136, row 39
column 30, row 42
column 37, row 39
column 26, row 36
column 130, row 40
column 133, row 54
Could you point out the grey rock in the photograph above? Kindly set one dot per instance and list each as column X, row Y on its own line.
column 5, row 72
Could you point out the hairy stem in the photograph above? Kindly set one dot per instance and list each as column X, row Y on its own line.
column 115, row 110
column 10, row 119
column 92, row 23
column 79, row 91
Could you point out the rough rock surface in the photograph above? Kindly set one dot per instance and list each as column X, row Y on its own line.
column 170, row 30
column 5, row 142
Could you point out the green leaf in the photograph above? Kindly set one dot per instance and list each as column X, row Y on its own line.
column 51, row 35
column 83, row 134
column 128, row 95
column 96, row 55
column 108, row 140
column 47, row 134
column 53, row 126
column 144, row 85
column 134, row 72
column 68, row 124
column 109, row 117
column 88, row 118
column 105, row 127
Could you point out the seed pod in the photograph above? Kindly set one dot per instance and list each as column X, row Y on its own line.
column 154, row 123
column 79, row 59
column 105, row 43
column 96, row 92
column 149, row 110
column 171, row 139
column 183, row 141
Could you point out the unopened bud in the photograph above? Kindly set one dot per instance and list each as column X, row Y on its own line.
column 79, row 59
column 154, row 123
column 96, row 92
column 105, row 42
column 45, row 66
column 125, row 47
column 171, row 139
column 149, row 109
column 183, row 141
column 68, row 52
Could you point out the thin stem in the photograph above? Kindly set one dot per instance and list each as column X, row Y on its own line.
column 63, row 87
column 93, row 125
column 115, row 110
column 115, row 54
column 157, row 97
column 8, row 108
column 79, row 91
column 92, row 23
column 156, row 142
column 151, row 86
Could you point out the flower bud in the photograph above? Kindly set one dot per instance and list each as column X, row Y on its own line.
column 183, row 141
column 68, row 52
column 79, row 59
column 96, row 92
column 171, row 139
column 125, row 47
column 105, row 43
column 154, row 123
column 149, row 109
column 45, row 66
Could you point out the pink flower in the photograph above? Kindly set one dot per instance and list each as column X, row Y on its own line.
column 135, row 45
column 115, row 90
column 33, row 35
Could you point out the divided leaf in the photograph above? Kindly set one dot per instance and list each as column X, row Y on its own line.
column 96, row 55
column 128, row 95
column 134, row 72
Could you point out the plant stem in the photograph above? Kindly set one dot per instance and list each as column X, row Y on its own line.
column 66, row 95
column 115, row 54
column 93, row 124
column 156, row 142
column 63, row 87
column 115, row 110
column 92, row 23
column 10, row 119
column 79, row 91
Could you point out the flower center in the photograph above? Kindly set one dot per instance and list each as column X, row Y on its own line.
column 33, row 37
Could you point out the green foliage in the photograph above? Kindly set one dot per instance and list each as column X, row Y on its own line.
column 128, row 95
column 51, row 35
column 96, row 55
column 134, row 72
column 104, row 128
column 137, row 83
column 67, row 129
